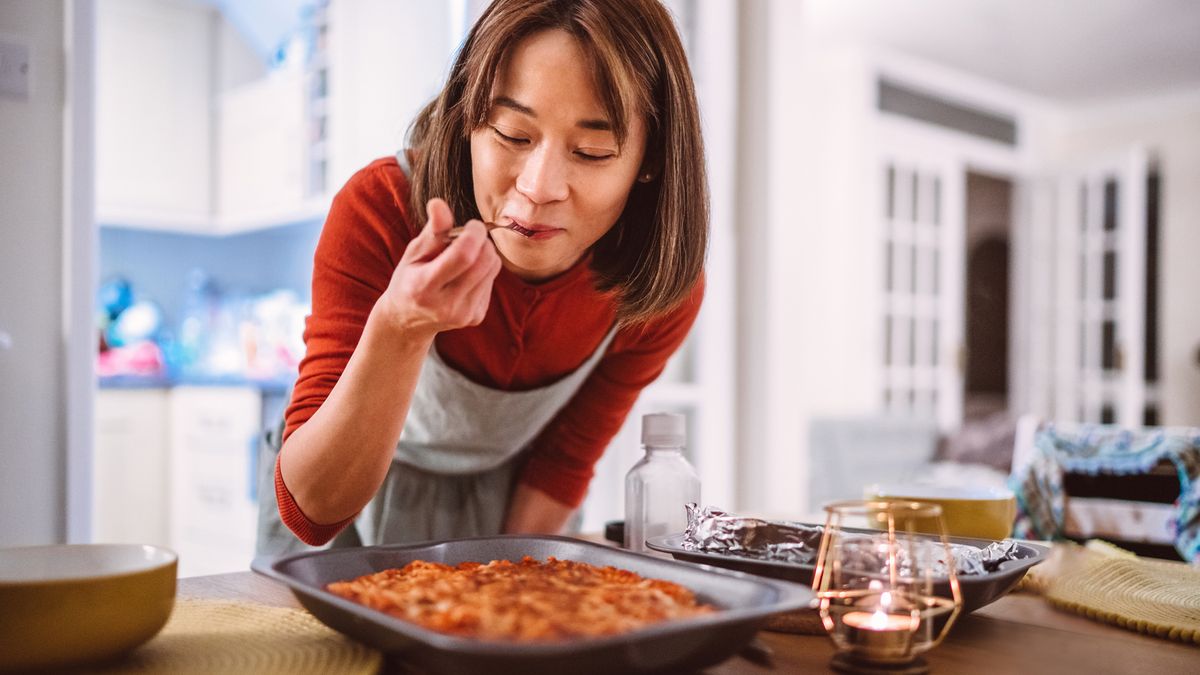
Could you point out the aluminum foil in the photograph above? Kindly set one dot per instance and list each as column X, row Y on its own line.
column 711, row 530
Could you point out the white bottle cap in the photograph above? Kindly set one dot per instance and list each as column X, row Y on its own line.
column 664, row 430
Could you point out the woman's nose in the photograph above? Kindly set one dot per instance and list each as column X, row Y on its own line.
column 543, row 177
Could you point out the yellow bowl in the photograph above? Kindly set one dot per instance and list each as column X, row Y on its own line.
column 980, row 512
column 72, row 604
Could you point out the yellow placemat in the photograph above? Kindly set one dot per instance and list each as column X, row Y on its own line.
column 210, row 637
column 1156, row 597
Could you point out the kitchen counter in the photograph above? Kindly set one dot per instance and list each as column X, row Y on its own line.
column 277, row 385
column 1017, row 634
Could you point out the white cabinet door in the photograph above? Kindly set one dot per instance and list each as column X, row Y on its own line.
column 154, row 114
column 214, row 442
column 261, row 155
column 130, row 467
column 387, row 60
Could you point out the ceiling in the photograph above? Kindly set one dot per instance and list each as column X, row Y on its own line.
column 1067, row 50
column 265, row 24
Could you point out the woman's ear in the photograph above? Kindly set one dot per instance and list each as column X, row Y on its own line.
column 651, row 167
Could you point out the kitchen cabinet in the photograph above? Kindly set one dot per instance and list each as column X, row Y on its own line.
column 193, row 134
column 261, row 159
column 177, row 467
column 196, row 135
column 130, row 467
column 154, row 125
column 386, row 60
column 213, row 502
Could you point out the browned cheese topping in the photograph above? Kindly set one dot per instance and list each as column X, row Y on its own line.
column 527, row 601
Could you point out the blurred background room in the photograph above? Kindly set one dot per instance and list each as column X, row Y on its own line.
column 935, row 224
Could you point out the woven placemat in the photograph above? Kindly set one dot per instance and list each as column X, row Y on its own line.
column 800, row 621
column 1155, row 597
column 210, row 637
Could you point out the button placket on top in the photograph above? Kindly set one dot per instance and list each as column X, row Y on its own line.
column 531, row 296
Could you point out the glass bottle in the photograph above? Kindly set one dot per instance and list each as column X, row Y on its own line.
column 662, row 481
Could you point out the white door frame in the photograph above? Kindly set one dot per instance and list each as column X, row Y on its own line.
column 79, row 256
column 957, row 154
column 1015, row 163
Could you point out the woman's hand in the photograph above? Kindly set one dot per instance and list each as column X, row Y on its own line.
column 441, row 286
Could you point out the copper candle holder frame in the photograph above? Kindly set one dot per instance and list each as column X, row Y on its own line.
column 882, row 619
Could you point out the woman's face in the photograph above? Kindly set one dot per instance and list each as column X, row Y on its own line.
column 546, row 164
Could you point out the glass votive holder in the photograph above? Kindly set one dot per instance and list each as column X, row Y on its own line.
column 874, row 579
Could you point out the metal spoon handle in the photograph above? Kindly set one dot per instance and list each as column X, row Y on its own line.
column 457, row 231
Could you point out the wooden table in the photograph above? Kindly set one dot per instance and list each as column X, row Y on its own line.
column 1017, row 634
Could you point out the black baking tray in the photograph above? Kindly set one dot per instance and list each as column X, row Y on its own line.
column 744, row 603
column 977, row 589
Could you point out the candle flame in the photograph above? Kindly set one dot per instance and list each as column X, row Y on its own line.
column 879, row 621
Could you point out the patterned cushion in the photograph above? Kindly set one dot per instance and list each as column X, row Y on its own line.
column 1096, row 450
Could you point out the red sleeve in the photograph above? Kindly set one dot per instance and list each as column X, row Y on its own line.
column 364, row 236
column 564, row 453
column 307, row 531
column 360, row 245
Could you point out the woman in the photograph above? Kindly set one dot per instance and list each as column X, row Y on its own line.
column 465, row 387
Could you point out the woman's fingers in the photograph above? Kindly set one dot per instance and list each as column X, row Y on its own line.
column 445, row 285
column 485, row 267
column 461, row 256
column 432, row 239
column 480, row 294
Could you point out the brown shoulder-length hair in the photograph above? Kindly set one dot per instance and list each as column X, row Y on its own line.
column 654, row 254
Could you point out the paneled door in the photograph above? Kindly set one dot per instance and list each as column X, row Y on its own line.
column 923, row 227
column 1101, row 302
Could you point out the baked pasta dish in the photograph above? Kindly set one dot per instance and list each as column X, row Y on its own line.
column 526, row 601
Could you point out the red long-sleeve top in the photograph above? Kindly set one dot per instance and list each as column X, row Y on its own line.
column 532, row 335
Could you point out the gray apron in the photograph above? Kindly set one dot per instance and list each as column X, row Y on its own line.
column 455, row 465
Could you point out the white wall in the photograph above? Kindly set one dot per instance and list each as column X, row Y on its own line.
column 810, row 258
column 32, row 410
column 1169, row 126
column 806, row 322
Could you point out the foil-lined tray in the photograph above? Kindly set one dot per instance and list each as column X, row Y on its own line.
column 714, row 531
column 786, row 550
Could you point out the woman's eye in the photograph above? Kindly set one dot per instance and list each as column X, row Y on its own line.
column 509, row 139
column 591, row 157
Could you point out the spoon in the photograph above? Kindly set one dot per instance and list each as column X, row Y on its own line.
column 457, row 231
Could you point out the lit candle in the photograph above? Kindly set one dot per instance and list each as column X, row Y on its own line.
column 879, row 621
column 879, row 634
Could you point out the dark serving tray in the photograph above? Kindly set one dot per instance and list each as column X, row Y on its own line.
column 745, row 602
column 977, row 589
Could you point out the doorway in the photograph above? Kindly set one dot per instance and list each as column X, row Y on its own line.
column 987, row 244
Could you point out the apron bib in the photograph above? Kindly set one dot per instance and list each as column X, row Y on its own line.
column 455, row 465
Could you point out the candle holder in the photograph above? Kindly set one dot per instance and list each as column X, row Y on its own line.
column 875, row 578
